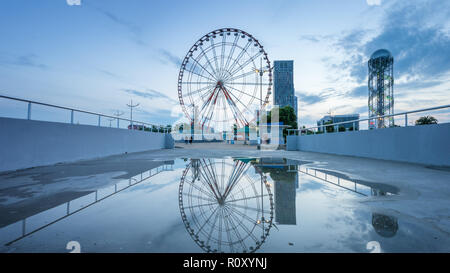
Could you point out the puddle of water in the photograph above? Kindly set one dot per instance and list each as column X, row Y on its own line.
column 224, row 205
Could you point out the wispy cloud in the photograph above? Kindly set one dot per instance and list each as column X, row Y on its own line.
column 315, row 38
column 110, row 74
column 132, row 28
column 149, row 94
column 169, row 57
column 27, row 60
column 310, row 99
column 373, row 2
column 359, row 91
column 73, row 2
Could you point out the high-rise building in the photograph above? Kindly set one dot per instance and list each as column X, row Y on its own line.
column 381, row 89
column 284, row 93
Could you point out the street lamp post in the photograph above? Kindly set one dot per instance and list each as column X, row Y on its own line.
column 131, row 112
column 261, row 72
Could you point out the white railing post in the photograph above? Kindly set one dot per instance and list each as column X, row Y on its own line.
column 406, row 120
column 99, row 120
column 118, row 123
column 71, row 117
column 29, row 111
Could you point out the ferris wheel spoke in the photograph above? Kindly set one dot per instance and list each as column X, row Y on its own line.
column 208, row 101
column 212, row 228
column 207, row 220
column 207, row 71
column 220, row 231
column 230, row 55
column 207, row 60
column 239, row 169
column 198, row 90
column 249, row 232
column 199, row 197
column 237, row 233
column 248, row 83
column 200, row 75
column 225, row 110
column 201, row 205
column 201, row 190
column 246, row 198
column 235, row 110
column 211, row 82
column 209, row 113
column 249, row 208
column 243, row 93
column 247, row 62
column 231, row 67
column 222, row 56
column 242, row 75
column 215, row 56
column 229, row 238
column 212, row 178
column 251, row 183
column 212, row 169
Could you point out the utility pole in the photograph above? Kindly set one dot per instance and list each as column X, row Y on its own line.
column 110, row 119
column 261, row 72
column 131, row 105
column 118, row 114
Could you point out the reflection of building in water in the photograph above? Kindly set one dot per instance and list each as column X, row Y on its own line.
column 286, row 181
column 384, row 225
column 225, row 204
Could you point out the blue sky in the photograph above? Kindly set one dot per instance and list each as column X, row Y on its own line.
column 100, row 54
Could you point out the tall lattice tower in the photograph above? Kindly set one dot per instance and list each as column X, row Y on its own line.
column 381, row 88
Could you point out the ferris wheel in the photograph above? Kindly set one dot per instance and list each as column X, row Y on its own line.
column 221, row 80
column 225, row 206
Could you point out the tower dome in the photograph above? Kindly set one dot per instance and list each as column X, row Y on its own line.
column 381, row 53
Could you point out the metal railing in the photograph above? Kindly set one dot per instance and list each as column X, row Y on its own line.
column 134, row 124
column 124, row 184
column 315, row 129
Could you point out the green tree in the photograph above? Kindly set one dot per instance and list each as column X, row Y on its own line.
column 330, row 129
column 426, row 120
column 287, row 116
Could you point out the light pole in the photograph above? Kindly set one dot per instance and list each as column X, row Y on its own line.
column 261, row 72
column 118, row 114
column 110, row 119
column 131, row 111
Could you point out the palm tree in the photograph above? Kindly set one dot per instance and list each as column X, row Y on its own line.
column 426, row 120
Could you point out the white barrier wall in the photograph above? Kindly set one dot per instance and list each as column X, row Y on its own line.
column 30, row 143
column 425, row 144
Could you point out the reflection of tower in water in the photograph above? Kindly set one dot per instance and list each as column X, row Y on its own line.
column 225, row 205
column 285, row 183
column 384, row 225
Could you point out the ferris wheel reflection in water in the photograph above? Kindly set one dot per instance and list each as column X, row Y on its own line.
column 226, row 205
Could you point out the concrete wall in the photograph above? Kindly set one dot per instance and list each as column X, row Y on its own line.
column 292, row 143
column 30, row 143
column 426, row 144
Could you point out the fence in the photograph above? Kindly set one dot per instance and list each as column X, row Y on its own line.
column 134, row 125
column 335, row 126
